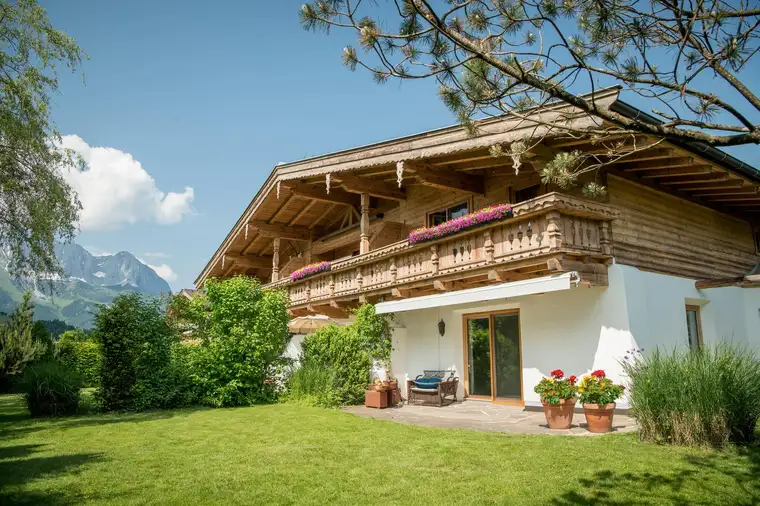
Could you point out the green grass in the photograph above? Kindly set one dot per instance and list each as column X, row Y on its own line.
column 283, row 454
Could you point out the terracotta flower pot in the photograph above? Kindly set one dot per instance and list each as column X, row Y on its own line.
column 559, row 416
column 599, row 416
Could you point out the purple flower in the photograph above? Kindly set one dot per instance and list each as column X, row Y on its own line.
column 310, row 270
column 471, row 220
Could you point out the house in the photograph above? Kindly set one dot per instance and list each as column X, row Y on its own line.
column 665, row 258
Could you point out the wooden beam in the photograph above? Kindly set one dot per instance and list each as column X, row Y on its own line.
column 281, row 230
column 323, row 215
column 449, row 180
column 302, row 212
column 700, row 178
column 249, row 261
column 727, row 191
column 379, row 189
column 399, row 293
column 282, row 208
column 648, row 155
column 751, row 198
column 722, row 185
column 327, row 310
column 335, row 196
column 678, row 171
column 670, row 163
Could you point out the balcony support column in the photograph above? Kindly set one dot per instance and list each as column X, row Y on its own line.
column 276, row 259
column 364, row 237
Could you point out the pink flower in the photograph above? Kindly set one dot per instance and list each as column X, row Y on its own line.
column 485, row 215
column 310, row 270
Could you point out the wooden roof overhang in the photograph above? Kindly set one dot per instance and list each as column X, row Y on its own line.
column 294, row 203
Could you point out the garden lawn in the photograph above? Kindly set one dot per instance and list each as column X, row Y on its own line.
column 285, row 454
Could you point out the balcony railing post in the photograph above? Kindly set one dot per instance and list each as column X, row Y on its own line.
column 308, row 290
column 394, row 270
column 331, row 285
column 554, row 230
column 488, row 246
column 605, row 241
column 434, row 260
column 358, row 278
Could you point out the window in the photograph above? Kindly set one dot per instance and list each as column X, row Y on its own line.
column 450, row 213
column 528, row 193
column 693, row 327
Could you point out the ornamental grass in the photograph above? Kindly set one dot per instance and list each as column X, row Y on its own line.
column 472, row 220
column 707, row 397
column 310, row 270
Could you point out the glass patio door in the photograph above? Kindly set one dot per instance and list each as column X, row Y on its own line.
column 494, row 368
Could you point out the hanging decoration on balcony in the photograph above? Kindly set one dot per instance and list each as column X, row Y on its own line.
column 327, row 182
column 278, row 190
column 516, row 151
column 472, row 220
column 399, row 172
column 310, row 270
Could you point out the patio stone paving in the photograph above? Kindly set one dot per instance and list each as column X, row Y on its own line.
column 487, row 417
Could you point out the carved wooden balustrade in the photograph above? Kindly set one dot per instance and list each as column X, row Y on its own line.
column 551, row 233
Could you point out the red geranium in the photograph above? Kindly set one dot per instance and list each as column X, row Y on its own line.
column 573, row 379
column 599, row 374
column 557, row 373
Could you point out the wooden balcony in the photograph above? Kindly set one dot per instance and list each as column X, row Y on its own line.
column 549, row 234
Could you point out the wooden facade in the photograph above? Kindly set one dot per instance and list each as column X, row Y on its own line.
column 667, row 209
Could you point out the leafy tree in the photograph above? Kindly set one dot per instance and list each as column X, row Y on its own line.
column 79, row 351
column 57, row 327
column 38, row 206
column 136, row 342
column 18, row 347
column 41, row 334
column 243, row 332
column 493, row 57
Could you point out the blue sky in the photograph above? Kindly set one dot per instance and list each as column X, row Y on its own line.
column 210, row 96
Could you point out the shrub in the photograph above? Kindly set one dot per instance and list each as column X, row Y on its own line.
column 136, row 344
column 349, row 352
column 705, row 397
column 243, row 331
column 51, row 388
column 18, row 346
column 80, row 352
column 312, row 385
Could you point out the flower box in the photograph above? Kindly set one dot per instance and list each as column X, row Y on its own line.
column 472, row 220
column 310, row 270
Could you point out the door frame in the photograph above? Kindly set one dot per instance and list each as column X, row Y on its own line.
column 465, row 346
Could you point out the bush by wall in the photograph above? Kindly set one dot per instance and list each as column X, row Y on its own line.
column 242, row 332
column 80, row 352
column 51, row 388
column 705, row 397
column 136, row 340
column 349, row 352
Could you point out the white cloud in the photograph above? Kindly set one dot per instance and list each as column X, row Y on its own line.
column 157, row 254
column 164, row 271
column 115, row 189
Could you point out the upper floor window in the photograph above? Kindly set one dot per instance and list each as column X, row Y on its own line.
column 528, row 193
column 693, row 327
column 447, row 214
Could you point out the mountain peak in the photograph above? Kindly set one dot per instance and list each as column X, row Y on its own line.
column 120, row 269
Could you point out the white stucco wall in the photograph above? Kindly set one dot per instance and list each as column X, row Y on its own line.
column 583, row 329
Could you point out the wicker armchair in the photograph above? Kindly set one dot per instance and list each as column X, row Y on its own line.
column 428, row 393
